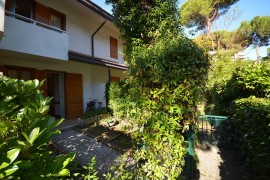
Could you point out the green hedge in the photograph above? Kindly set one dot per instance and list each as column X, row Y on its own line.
column 249, row 131
column 251, row 80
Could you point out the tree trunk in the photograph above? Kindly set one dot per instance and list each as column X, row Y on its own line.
column 258, row 54
column 208, row 29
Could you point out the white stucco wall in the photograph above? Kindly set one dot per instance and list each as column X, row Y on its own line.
column 81, row 23
column 30, row 38
column 2, row 17
column 102, row 44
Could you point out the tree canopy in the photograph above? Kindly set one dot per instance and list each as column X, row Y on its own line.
column 201, row 14
column 229, row 42
column 256, row 32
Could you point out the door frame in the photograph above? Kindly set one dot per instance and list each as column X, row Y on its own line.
column 62, row 98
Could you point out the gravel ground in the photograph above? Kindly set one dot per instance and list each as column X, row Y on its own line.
column 209, row 162
column 86, row 148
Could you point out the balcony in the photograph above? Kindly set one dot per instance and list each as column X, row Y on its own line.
column 28, row 36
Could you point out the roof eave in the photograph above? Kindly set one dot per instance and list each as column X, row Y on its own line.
column 97, row 9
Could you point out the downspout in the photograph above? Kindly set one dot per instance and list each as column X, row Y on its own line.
column 109, row 75
column 108, row 86
column 92, row 37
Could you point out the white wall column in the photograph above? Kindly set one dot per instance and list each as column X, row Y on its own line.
column 2, row 17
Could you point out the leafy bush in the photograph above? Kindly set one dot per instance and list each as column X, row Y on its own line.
column 25, row 132
column 221, row 70
column 251, row 80
column 123, row 99
column 168, row 74
column 245, row 97
column 248, row 131
column 167, row 81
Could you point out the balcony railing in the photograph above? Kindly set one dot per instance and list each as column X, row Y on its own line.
column 29, row 20
column 28, row 36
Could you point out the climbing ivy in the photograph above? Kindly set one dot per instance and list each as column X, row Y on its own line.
column 167, row 77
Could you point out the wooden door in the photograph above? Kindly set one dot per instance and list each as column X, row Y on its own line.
column 42, row 75
column 74, row 95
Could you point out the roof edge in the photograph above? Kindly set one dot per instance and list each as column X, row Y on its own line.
column 91, row 5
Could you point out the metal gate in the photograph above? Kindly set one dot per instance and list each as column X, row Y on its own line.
column 210, row 122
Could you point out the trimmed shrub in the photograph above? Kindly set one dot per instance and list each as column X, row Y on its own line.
column 248, row 131
column 251, row 80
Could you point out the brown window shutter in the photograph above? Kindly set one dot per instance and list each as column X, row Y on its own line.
column 42, row 13
column 113, row 48
column 74, row 95
column 115, row 79
column 42, row 75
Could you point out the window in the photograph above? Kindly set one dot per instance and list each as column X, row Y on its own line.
column 24, row 8
column 20, row 7
column 113, row 48
column 57, row 19
column 20, row 73
column 50, row 17
column 38, row 12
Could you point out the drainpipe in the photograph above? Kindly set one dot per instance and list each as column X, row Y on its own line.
column 92, row 37
column 109, row 75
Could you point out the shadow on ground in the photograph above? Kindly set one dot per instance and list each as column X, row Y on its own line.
column 116, row 140
column 217, row 161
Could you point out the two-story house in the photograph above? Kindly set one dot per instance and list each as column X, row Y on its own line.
column 73, row 44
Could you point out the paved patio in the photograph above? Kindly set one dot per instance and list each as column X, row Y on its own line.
column 68, row 123
column 86, row 148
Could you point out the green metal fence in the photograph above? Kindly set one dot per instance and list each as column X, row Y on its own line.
column 206, row 123
column 210, row 122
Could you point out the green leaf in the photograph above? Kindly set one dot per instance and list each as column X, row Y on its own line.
column 9, row 171
column 64, row 172
column 33, row 135
column 11, row 156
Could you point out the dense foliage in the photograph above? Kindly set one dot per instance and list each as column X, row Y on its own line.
column 167, row 77
column 25, row 131
column 249, row 132
column 251, row 80
column 221, row 70
column 245, row 97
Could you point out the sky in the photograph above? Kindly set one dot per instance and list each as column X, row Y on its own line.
column 248, row 9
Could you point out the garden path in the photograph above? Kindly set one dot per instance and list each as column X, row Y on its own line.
column 86, row 148
column 217, row 162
